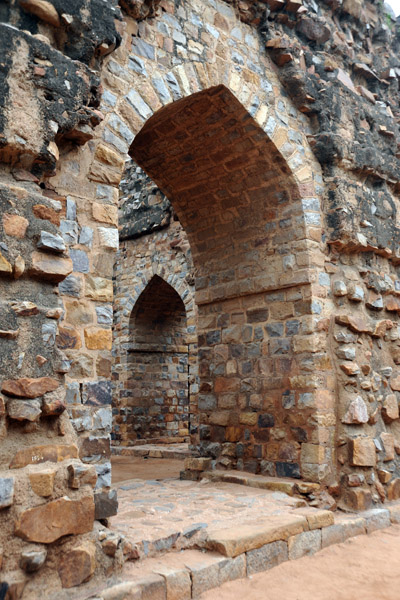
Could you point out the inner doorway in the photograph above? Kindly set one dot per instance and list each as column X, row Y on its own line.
column 158, row 363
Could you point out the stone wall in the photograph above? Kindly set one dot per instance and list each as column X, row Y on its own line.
column 271, row 127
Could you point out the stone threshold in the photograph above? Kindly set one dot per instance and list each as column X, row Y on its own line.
column 241, row 551
column 172, row 451
column 276, row 484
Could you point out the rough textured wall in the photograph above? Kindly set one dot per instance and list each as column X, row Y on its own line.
column 321, row 82
column 54, row 486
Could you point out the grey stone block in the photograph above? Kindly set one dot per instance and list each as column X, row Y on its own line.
column 6, row 491
column 304, row 544
column 266, row 557
column 377, row 518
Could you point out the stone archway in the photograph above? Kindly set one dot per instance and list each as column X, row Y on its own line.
column 158, row 362
column 249, row 225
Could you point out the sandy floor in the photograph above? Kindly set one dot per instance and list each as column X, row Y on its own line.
column 362, row 568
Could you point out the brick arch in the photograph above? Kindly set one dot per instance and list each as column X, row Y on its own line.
column 254, row 227
column 179, row 285
column 233, row 191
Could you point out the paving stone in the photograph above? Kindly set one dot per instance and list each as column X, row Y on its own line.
column 237, row 540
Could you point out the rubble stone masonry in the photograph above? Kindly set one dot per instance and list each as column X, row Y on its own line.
column 257, row 293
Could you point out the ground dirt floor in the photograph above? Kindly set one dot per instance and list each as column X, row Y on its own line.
column 364, row 567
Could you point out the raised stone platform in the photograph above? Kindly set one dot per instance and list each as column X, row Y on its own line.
column 188, row 574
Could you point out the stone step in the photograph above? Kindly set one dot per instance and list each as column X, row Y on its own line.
column 172, row 451
column 186, row 575
column 286, row 485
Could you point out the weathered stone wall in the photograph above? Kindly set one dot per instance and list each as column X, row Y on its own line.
column 55, row 327
column 272, row 129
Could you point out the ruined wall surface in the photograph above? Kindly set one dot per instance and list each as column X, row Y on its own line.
column 283, row 171
column 54, row 470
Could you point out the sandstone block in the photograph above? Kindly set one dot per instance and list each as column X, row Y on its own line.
column 80, row 474
column 98, row 339
column 99, row 289
column 39, row 454
column 197, row 464
column 236, row 540
column 42, row 482
column 312, row 454
column 6, row 491
column 390, row 408
column 359, row 499
column 15, row 225
column 388, row 446
column 384, row 476
column 32, row 560
column 48, row 522
column 94, row 446
column 68, row 338
column 127, row 590
column 46, row 213
column 43, row 9
column 304, row 544
column 393, row 490
column 108, row 156
column 49, row 267
column 394, row 512
column 362, row 452
column 5, row 266
column 178, row 583
column 53, row 406
column 78, row 565
column 105, row 213
column 24, row 410
column 27, row 387
column 266, row 557
column 316, row 519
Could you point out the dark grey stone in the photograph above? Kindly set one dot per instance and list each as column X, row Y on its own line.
column 104, row 315
column 287, row 470
column 106, row 504
column 80, row 261
column 97, row 394
column 6, row 491
column 31, row 561
column 49, row 241
column 71, row 286
column 266, row 420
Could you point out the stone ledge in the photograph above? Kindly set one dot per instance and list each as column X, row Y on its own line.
column 185, row 575
column 275, row 484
